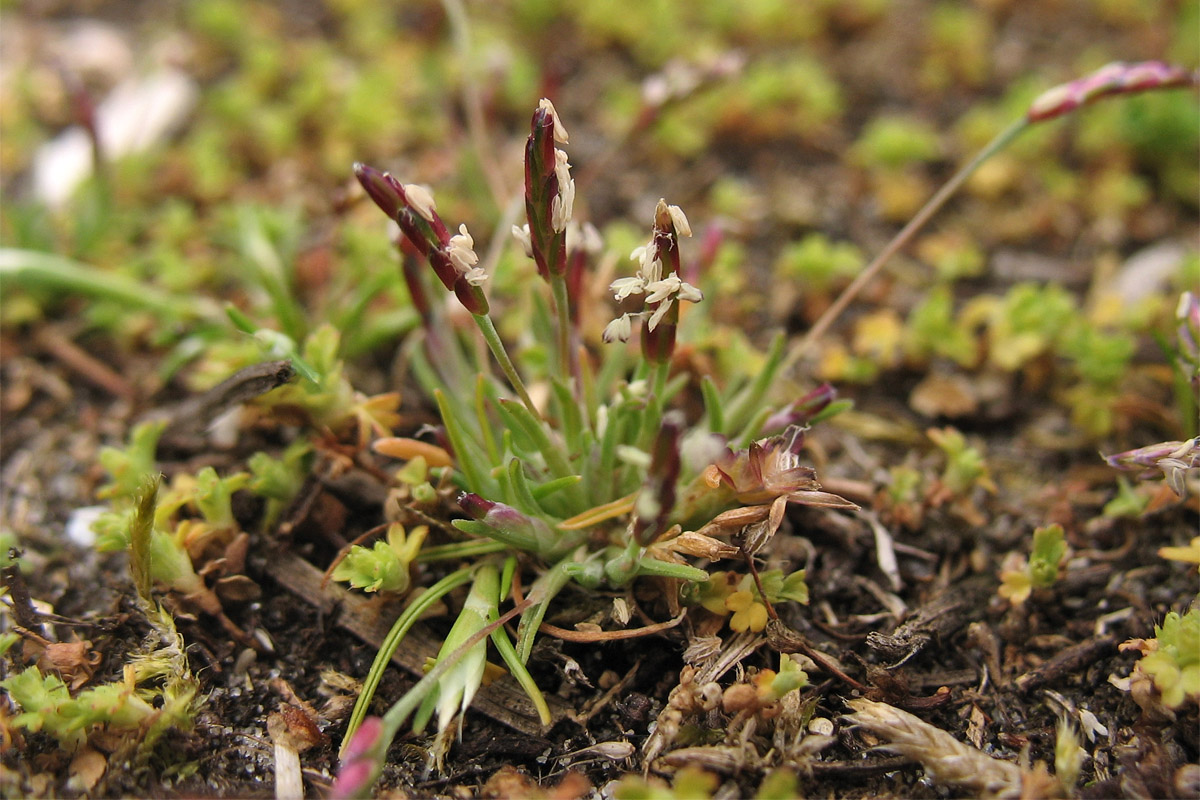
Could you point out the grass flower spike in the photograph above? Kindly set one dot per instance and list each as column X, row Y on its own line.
column 658, row 283
column 453, row 258
column 1115, row 78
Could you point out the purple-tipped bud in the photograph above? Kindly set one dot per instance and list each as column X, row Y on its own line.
column 379, row 188
column 802, row 410
column 362, row 761
column 1174, row 459
column 1115, row 78
column 474, row 506
column 549, row 191
column 510, row 525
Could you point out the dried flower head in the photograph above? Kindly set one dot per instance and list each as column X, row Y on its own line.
column 767, row 469
column 945, row 759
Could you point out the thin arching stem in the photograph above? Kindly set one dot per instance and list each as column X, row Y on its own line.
column 821, row 326
column 506, row 365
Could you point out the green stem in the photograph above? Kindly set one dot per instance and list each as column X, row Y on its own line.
column 655, row 402
column 506, row 365
column 902, row 238
column 558, row 284
column 517, row 669
column 540, row 594
column 458, row 550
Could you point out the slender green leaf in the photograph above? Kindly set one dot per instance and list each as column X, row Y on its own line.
column 400, row 628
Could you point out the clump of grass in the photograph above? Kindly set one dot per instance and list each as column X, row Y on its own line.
column 601, row 484
column 598, row 483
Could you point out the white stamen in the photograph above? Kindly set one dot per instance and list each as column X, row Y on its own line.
column 619, row 330
column 560, row 133
column 562, row 206
column 679, row 220
column 521, row 234
column 661, row 290
column 462, row 254
column 421, row 201
column 689, row 293
column 623, row 287
column 659, row 313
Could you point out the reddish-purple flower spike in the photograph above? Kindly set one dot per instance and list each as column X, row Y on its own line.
column 658, row 335
column 380, row 189
column 412, row 272
column 362, row 761
column 1116, row 78
column 452, row 258
column 549, row 191
column 657, row 499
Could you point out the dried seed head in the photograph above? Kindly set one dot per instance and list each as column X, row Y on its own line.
column 701, row 649
column 560, row 132
column 701, row 546
column 945, row 759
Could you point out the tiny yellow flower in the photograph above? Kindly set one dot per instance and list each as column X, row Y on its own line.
column 748, row 613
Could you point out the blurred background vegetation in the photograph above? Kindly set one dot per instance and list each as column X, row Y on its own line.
column 806, row 133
